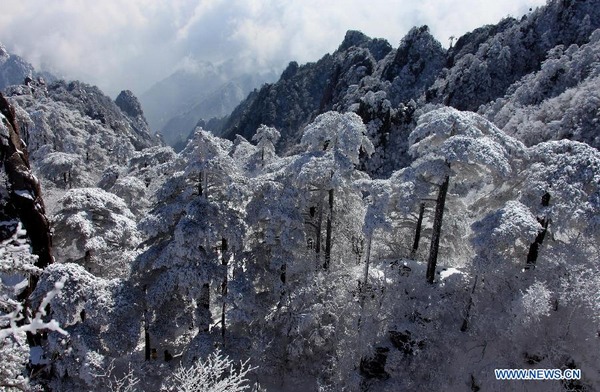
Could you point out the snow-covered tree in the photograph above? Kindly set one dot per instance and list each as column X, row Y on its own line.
column 62, row 168
column 101, row 316
column 216, row 373
column 17, row 327
column 334, row 143
column 96, row 229
column 266, row 138
column 478, row 156
column 195, row 231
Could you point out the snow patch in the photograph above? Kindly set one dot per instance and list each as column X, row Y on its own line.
column 449, row 272
column 24, row 194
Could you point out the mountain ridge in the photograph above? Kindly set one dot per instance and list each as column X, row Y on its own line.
column 477, row 70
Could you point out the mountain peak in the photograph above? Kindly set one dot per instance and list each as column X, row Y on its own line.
column 417, row 43
column 418, row 38
column 378, row 47
column 13, row 68
column 353, row 38
column 129, row 104
column 3, row 51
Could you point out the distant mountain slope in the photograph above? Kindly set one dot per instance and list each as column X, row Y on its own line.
column 561, row 100
column 216, row 104
column 173, row 94
column 389, row 88
column 174, row 105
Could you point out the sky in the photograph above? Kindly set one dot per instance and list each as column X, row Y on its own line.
column 132, row 44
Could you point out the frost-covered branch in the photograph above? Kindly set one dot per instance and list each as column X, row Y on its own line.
column 217, row 374
column 15, row 252
column 127, row 383
column 37, row 323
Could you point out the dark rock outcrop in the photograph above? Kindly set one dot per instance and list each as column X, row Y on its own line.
column 305, row 91
column 129, row 104
column 13, row 69
column 24, row 199
column 374, row 367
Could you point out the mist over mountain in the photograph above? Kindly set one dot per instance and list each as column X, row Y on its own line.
column 13, row 69
column 386, row 218
column 177, row 103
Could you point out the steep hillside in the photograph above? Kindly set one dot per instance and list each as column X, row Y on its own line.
column 561, row 100
column 25, row 247
column 74, row 131
column 389, row 88
column 303, row 92
column 13, row 69
column 484, row 63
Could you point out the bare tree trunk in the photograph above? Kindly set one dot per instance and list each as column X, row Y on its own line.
column 418, row 231
column 363, row 289
column 534, row 248
column 437, row 230
column 465, row 324
column 367, row 265
column 283, row 278
column 539, row 239
column 200, row 184
column 318, row 231
column 203, row 184
column 224, row 286
column 147, row 349
column 146, row 336
column 204, row 305
column 328, row 232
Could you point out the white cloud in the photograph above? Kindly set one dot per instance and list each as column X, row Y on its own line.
column 201, row 11
column 120, row 44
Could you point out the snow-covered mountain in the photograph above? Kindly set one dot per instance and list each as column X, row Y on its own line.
column 385, row 85
column 177, row 103
column 13, row 69
column 384, row 219
column 74, row 132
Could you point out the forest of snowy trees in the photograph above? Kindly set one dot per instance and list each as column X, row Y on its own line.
column 414, row 221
